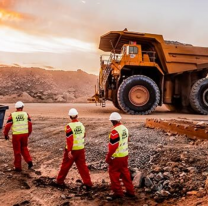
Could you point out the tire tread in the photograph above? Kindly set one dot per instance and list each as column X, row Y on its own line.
column 193, row 97
column 144, row 78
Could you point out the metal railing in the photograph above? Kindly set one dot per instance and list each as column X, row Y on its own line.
column 106, row 70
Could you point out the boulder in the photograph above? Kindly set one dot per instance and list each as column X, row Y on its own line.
column 157, row 168
column 164, row 193
column 192, row 169
column 148, row 182
column 192, row 192
column 137, row 181
column 159, row 176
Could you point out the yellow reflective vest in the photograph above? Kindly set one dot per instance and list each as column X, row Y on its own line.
column 78, row 130
column 20, row 122
column 122, row 149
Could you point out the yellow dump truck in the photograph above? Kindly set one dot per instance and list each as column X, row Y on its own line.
column 141, row 71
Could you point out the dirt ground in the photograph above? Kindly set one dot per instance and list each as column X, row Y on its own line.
column 148, row 148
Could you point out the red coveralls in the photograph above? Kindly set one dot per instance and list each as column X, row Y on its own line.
column 78, row 158
column 118, row 167
column 20, row 143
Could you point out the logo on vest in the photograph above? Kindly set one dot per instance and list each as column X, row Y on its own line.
column 78, row 130
column 20, row 118
column 124, row 134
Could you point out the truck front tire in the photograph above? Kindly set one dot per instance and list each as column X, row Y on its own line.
column 116, row 105
column 138, row 94
column 199, row 96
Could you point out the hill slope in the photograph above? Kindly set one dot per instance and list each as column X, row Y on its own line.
column 39, row 85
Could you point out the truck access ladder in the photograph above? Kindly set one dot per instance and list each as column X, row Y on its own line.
column 106, row 72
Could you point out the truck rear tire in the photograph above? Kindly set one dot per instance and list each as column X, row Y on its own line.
column 199, row 96
column 138, row 94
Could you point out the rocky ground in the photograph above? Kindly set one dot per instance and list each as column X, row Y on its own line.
column 39, row 85
column 166, row 169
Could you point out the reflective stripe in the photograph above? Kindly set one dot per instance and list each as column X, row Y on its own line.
column 19, row 129
column 79, row 138
column 78, row 130
column 75, row 145
column 20, row 122
column 122, row 149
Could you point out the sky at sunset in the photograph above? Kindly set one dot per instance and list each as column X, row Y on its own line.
column 64, row 34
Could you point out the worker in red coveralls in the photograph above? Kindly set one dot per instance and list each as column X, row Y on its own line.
column 21, row 125
column 117, row 158
column 74, row 152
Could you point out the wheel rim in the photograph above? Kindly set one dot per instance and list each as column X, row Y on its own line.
column 205, row 97
column 139, row 95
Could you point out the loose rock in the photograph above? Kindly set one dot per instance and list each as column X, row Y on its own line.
column 137, row 181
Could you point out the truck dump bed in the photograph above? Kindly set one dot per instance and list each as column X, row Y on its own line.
column 172, row 57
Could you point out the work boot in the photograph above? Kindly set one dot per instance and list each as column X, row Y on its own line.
column 17, row 169
column 114, row 197
column 132, row 196
column 57, row 184
column 86, row 187
column 30, row 165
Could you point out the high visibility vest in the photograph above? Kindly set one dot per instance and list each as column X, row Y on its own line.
column 78, row 130
column 122, row 149
column 20, row 123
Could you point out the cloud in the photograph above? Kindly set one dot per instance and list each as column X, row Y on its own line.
column 8, row 16
column 6, row 4
column 56, row 18
column 75, row 26
column 14, row 41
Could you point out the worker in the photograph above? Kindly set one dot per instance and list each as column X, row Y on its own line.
column 21, row 125
column 74, row 152
column 117, row 158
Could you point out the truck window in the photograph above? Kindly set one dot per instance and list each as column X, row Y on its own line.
column 133, row 50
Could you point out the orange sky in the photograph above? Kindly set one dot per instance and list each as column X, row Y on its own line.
column 64, row 34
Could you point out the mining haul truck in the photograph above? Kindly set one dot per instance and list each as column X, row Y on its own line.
column 142, row 71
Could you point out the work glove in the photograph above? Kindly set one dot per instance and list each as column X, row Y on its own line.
column 6, row 137
column 70, row 156
column 108, row 160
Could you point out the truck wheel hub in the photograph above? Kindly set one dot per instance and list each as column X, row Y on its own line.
column 139, row 95
column 205, row 97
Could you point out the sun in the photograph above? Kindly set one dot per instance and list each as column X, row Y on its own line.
column 6, row 15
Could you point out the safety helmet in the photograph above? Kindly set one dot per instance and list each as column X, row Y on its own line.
column 73, row 112
column 19, row 104
column 115, row 116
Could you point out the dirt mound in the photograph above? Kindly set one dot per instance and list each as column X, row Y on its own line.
column 39, row 85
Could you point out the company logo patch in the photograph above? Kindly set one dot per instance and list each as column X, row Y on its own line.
column 20, row 118
column 78, row 130
column 124, row 134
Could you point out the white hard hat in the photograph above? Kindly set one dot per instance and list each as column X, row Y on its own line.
column 73, row 112
column 115, row 116
column 19, row 104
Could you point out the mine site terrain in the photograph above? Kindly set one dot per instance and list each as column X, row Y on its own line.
column 48, row 86
column 174, row 168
